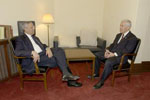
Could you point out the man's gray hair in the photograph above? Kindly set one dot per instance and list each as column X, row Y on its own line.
column 128, row 22
column 24, row 25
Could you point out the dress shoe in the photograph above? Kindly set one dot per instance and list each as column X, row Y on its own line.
column 95, row 76
column 69, row 77
column 98, row 85
column 74, row 84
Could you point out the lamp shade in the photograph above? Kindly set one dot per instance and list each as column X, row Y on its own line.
column 48, row 19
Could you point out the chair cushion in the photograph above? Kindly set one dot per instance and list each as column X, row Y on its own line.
column 41, row 69
column 88, row 37
column 67, row 40
column 124, row 67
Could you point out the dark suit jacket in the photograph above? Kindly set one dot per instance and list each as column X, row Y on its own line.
column 127, row 45
column 24, row 48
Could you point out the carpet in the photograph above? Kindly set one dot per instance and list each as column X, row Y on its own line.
column 137, row 89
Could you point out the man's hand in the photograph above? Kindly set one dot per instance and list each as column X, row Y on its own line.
column 111, row 54
column 49, row 52
column 36, row 56
column 106, row 53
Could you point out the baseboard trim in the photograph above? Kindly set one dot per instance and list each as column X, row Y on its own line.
column 141, row 67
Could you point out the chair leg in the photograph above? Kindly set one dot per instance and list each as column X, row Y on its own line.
column 45, row 81
column 21, row 82
column 129, row 76
column 51, row 73
column 113, row 78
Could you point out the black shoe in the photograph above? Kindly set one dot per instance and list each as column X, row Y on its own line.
column 95, row 76
column 74, row 84
column 69, row 77
column 98, row 85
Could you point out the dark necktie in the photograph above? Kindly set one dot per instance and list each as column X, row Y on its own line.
column 122, row 37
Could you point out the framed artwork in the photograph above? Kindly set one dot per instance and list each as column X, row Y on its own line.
column 6, row 32
column 2, row 32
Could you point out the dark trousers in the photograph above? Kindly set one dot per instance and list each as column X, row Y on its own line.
column 108, row 67
column 58, row 59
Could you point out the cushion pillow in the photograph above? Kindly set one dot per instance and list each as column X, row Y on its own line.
column 67, row 40
column 88, row 37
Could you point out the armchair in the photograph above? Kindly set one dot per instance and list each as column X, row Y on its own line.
column 39, row 71
column 101, row 44
column 128, row 66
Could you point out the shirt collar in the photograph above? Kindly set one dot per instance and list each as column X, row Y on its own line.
column 125, row 33
column 28, row 35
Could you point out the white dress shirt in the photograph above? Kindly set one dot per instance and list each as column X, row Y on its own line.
column 35, row 45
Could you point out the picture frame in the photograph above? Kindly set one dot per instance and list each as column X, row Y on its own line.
column 2, row 32
column 6, row 32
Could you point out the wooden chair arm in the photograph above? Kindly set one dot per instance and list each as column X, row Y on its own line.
column 37, row 71
column 122, row 59
column 19, row 57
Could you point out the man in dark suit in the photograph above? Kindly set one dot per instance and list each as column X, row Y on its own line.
column 28, row 45
column 124, row 42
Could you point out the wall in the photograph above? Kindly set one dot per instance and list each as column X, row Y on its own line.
column 15, row 10
column 117, row 10
column 135, row 10
column 143, row 30
column 73, row 15
column 114, row 12
column 70, row 15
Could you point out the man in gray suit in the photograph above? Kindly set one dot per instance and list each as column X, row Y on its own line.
column 124, row 42
column 28, row 45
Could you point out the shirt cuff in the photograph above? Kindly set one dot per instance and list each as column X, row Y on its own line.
column 115, row 54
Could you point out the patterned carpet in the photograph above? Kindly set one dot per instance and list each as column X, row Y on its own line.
column 137, row 89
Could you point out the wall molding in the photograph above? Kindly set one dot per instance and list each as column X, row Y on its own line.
column 138, row 68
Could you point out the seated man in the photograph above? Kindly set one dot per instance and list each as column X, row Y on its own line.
column 28, row 45
column 124, row 42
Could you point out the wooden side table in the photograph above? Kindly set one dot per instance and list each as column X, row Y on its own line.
column 80, row 55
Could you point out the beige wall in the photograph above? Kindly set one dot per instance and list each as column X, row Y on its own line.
column 70, row 15
column 12, row 11
column 142, row 29
column 114, row 12
column 73, row 15
column 135, row 10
